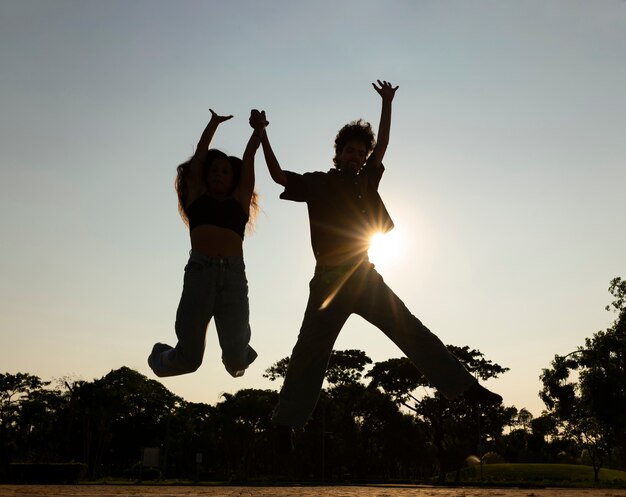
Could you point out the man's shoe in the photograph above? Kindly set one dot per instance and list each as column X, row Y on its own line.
column 478, row 395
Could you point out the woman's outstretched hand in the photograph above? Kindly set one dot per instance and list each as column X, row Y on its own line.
column 217, row 118
column 385, row 90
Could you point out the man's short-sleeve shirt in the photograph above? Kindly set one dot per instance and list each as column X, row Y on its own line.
column 345, row 210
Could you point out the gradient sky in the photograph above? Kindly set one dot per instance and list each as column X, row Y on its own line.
column 506, row 171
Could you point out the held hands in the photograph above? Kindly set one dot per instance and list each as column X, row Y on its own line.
column 217, row 119
column 385, row 90
column 257, row 120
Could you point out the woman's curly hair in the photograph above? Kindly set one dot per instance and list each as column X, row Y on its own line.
column 359, row 130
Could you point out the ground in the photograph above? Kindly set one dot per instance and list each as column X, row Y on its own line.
column 290, row 491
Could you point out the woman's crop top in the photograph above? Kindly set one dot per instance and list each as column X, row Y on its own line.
column 226, row 213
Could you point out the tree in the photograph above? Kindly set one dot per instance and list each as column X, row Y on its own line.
column 572, row 410
column 456, row 430
column 355, row 431
column 244, row 425
column 514, row 445
column 14, row 390
column 399, row 378
column 344, row 367
column 192, row 429
column 115, row 416
column 18, row 393
column 585, row 390
column 277, row 370
column 41, row 438
column 359, row 432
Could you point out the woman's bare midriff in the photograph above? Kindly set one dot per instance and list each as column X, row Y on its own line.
column 215, row 241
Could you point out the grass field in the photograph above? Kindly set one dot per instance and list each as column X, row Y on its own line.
column 540, row 475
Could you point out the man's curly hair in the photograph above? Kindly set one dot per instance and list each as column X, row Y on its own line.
column 359, row 130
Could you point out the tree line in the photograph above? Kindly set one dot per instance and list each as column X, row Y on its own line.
column 374, row 421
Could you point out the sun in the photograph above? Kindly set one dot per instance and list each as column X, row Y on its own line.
column 386, row 248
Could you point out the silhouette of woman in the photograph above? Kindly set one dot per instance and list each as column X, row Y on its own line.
column 217, row 201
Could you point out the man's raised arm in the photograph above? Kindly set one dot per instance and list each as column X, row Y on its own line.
column 386, row 91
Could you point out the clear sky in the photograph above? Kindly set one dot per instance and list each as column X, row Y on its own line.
column 506, row 171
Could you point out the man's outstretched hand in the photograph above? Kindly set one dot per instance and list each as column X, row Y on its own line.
column 385, row 90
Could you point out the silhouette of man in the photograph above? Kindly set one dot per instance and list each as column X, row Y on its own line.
column 345, row 210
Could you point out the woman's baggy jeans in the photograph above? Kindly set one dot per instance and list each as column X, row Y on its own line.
column 335, row 293
column 213, row 287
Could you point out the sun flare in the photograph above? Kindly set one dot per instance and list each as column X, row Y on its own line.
column 385, row 248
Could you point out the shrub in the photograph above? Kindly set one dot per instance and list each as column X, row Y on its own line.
column 46, row 473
